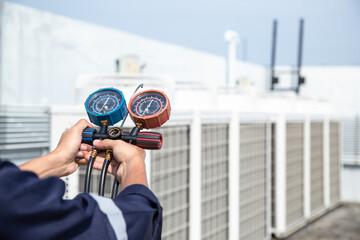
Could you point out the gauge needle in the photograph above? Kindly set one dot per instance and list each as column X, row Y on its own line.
column 104, row 104
column 147, row 108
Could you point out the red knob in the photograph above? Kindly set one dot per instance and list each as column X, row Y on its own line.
column 149, row 140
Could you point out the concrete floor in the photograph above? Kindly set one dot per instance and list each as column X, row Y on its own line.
column 343, row 223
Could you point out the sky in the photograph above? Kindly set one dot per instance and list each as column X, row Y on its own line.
column 331, row 34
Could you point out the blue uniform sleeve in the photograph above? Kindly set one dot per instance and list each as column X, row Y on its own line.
column 142, row 212
column 33, row 208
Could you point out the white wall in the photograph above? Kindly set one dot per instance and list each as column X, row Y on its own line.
column 338, row 84
column 42, row 55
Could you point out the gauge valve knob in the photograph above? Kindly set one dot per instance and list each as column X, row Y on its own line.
column 149, row 140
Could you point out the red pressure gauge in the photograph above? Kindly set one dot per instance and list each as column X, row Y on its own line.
column 150, row 109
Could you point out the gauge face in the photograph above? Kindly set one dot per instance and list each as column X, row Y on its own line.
column 147, row 104
column 150, row 109
column 104, row 102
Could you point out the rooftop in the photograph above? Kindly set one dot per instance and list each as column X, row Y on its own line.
column 341, row 223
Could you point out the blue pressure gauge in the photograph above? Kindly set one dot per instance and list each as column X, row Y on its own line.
column 106, row 104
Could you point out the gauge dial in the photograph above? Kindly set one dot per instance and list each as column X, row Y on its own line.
column 106, row 104
column 148, row 104
column 150, row 108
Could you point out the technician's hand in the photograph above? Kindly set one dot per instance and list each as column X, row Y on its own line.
column 128, row 164
column 70, row 148
column 65, row 159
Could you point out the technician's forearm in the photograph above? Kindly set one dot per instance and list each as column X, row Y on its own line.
column 44, row 166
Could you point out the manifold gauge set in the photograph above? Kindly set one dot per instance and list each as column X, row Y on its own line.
column 106, row 107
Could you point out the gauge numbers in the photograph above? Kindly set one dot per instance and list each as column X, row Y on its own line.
column 148, row 104
column 104, row 102
column 149, row 109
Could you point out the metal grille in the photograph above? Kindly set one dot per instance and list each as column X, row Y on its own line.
column 25, row 133
column 334, row 162
column 170, row 181
column 317, row 167
column 351, row 140
column 253, row 194
column 215, row 174
column 294, row 172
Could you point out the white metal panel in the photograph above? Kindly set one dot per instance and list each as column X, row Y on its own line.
column 170, row 180
column 307, row 167
column 334, row 162
column 317, row 167
column 351, row 140
column 326, row 160
column 279, row 175
column 195, row 178
column 215, row 174
column 253, row 181
column 294, row 173
column 234, row 173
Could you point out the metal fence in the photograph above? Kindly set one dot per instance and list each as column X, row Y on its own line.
column 214, row 182
column 306, row 171
column 317, row 167
column 254, row 143
column 335, row 161
column 217, row 177
column 294, row 173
